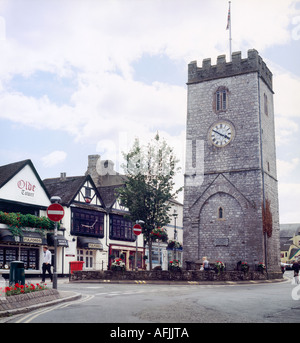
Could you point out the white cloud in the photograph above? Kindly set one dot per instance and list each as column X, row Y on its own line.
column 108, row 35
column 289, row 195
column 54, row 158
column 286, row 130
column 100, row 40
column 287, row 88
column 96, row 43
column 285, row 168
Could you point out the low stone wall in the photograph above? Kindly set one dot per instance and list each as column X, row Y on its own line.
column 19, row 301
column 163, row 275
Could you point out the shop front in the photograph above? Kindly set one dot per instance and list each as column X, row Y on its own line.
column 88, row 249
column 23, row 199
column 25, row 248
column 127, row 254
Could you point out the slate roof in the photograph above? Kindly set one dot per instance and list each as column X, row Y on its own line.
column 109, row 194
column 289, row 230
column 68, row 187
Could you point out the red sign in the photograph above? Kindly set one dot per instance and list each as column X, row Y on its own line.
column 55, row 212
column 137, row 229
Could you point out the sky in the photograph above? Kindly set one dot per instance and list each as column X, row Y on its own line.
column 84, row 77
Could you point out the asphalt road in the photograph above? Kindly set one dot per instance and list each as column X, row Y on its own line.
column 148, row 303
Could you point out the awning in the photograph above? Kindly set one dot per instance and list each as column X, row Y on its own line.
column 6, row 236
column 26, row 238
column 32, row 238
column 61, row 240
column 89, row 243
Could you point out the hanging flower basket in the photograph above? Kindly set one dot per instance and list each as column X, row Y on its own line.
column 159, row 234
column 174, row 245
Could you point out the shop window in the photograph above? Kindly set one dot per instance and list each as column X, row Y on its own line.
column 30, row 257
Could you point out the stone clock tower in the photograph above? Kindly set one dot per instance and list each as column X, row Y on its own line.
column 230, row 177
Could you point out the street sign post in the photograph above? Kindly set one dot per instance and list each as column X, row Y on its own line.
column 55, row 213
column 137, row 230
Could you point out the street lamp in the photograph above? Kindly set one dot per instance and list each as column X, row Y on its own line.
column 136, row 246
column 175, row 214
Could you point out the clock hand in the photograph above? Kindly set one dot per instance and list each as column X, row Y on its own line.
column 221, row 134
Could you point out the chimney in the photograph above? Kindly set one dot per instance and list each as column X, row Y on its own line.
column 63, row 176
column 107, row 168
column 93, row 161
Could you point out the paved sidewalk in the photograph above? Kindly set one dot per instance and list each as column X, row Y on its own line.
column 33, row 304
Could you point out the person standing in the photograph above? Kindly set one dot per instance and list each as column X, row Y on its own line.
column 46, row 264
column 205, row 263
column 296, row 268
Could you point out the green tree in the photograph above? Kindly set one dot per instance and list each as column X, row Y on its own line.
column 150, row 173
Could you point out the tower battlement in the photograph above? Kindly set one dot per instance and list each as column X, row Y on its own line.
column 253, row 63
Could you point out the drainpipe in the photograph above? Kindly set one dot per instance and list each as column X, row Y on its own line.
column 108, row 210
column 262, row 169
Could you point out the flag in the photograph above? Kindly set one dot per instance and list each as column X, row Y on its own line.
column 228, row 19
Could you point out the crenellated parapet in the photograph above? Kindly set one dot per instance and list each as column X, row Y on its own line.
column 237, row 66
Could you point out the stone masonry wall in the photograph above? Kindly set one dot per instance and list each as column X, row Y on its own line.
column 230, row 177
column 163, row 275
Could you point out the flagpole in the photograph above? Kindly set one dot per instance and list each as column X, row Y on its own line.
column 229, row 27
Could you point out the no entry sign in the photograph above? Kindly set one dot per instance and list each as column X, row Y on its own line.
column 55, row 212
column 137, row 229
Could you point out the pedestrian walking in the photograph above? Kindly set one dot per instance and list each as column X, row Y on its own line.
column 46, row 263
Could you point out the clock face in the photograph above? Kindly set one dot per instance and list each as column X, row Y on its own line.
column 221, row 134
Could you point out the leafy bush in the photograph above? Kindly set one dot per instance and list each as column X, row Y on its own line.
column 17, row 221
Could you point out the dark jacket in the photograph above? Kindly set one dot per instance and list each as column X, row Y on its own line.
column 296, row 267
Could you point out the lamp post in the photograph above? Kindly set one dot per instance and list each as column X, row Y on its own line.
column 55, row 200
column 136, row 246
column 175, row 214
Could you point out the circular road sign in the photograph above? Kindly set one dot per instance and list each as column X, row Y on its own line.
column 55, row 212
column 137, row 229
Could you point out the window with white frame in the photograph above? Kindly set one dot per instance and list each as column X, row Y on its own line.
column 87, row 256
